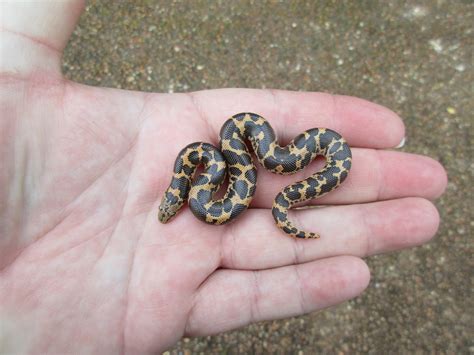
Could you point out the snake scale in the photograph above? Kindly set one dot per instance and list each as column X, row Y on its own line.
column 234, row 159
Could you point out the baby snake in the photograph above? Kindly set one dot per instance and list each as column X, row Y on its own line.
column 234, row 159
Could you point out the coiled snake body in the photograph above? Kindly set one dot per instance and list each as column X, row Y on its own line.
column 234, row 159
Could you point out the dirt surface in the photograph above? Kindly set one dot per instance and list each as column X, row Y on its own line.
column 414, row 57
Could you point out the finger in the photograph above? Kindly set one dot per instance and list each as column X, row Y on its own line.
column 362, row 123
column 233, row 298
column 35, row 33
column 254, row 242
column 375, row 175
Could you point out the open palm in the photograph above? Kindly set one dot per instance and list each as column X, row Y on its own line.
column 85, row 262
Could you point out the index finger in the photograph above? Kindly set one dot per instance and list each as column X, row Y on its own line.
column 360, row 122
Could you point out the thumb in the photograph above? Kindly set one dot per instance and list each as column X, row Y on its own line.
column 34, row 34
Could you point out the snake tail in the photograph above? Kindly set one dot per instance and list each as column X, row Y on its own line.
column 338, row 163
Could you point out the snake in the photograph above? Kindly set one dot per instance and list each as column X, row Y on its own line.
column 233, row 159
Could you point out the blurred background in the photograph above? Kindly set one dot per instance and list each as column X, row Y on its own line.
column 414, row 57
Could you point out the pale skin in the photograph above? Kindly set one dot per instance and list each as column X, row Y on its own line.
column 85, row 264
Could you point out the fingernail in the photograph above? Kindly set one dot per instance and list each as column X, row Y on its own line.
column 401, row 144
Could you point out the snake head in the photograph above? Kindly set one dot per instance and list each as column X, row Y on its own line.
column 167, row 209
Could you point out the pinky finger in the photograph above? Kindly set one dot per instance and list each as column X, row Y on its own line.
column 234, row 298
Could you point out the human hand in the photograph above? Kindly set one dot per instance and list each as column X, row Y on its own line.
column 86, row 266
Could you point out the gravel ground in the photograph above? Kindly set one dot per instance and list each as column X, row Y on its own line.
column 414, row 57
